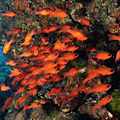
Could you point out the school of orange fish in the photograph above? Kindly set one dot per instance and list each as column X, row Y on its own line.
column 50, row 60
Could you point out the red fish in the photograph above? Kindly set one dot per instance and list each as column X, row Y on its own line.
column 60, row 46
column 114, row 37
column 103, row 70
column 23, row 65
column 43, row 12
column 68, row 56
column 53, row 91
column 102, row 102
column 72, row 71
column 84, row 21
column 9, row 14
column 4, row 87
column 14, row 31
column 11, row 63
column 7, row 45
column 7, row 103
column 28, row 38
column 117, row 56
column 59, row 13
column 71, row 48
column 89, row 77
column 101, row 55
column 98, row 88
column 20, row 90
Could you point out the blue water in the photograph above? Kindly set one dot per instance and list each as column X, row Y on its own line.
column 1, row 52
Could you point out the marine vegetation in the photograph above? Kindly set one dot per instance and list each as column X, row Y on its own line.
column 64, row 56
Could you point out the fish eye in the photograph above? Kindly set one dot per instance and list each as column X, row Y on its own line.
column 108, row 86
column 112, row 70
column 110, row 54
column 110, row 96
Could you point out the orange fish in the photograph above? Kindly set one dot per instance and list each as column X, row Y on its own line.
column 77, row 34
column 101, row 55
column 117, row 56
column 89, row 77
column 7, row 45
column 72, row 71
column 20, row 90
column 23, row 65
column 84, row 21
column 15, row 72
column 53, row 91
column 33, row 91
column 66, row 40
column 11, row 63
column 71, row 48
column 98, row 88
column 14, row 31
column 114, row 37
column 36, row 71
column 25, row 54
column 49, row 65
column 102, row 102
column 39, row 57
column 43, row 12
column 22, row 99
column 4, row 87
column 9, row 14
column 28, row 38
column 59, row 46
column 24, row 108
column 68, row 56
column 52, row 56
column 103, row 70
column 45, row 40
column 7, row 103
column 52, row 71
column 59, row 13
column 55, row 78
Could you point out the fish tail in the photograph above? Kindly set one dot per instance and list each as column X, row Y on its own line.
column 3, row 108
column 8, row 33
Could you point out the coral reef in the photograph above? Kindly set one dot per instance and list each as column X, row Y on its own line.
column 63, row 58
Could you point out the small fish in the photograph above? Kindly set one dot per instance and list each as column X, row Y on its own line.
column 59, row 45
column 8, row 14
column 59, row 13
column 7, row 103
column 53, row 91
column 11, row 63
column 84, row 20
column 22, row 99
column 89, row 77
column 72, row 71
column 117, row 56
column 28, row 38
column 19, row 90
column 103, row 70
column 71, row 48
column 113, row 37
column 77, row 34
column 43, row 12
column 102, row 102
column 25, row 54
column 23, row 65
column 14, row 31
column 4, row 87
column 7, row 45
column 101, row 55
column 68, row 56
column 98, row 88
column 52, row 56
